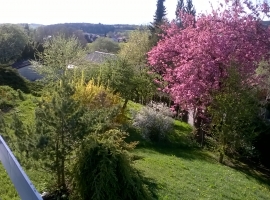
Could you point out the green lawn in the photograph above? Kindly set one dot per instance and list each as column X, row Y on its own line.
column 187, row 174
column 179, row 171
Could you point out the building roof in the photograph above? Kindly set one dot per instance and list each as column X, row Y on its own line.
column 21, row 64
column 100, row 57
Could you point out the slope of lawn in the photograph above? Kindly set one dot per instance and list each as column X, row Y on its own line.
column 180, row 172
column 24, row 109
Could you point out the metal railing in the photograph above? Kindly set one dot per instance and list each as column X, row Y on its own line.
column 22, row 183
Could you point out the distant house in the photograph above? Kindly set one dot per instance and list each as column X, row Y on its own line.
column 100, row 57
column 90, row 37
column 26, row 70
column 119, row 39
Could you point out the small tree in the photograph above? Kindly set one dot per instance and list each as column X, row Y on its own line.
column 59, row 117
column 233, row 111
column 13, row 40
column 60, row 125
column 135, row 50
column 154, row 121
column 59, row 56
column 104, row 44
column 127, row 80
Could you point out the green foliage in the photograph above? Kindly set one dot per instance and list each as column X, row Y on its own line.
column 7, row 189
column 233, row 112
column 59, row 117
column 103, row 169
column 100, row 103
column 130, row 82
column 154, row 121
column 13, row 40
column 134, row 53
column 8, row 96
column 159, row 19
column 10, row 77
column 60, row 126
column 135, row 50
column 59, row 53
column 104, row 44
column 94, row 96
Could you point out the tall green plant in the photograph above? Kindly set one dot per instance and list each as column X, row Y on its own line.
column 60, row 58
column 103, row 169
column 59, row 118
column 60, row 126
column 233, row 111
column 130, row 82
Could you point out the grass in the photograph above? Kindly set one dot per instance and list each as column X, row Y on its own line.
column 180, row 170
column 25, row 111
column 183, row 174
column 7, row 190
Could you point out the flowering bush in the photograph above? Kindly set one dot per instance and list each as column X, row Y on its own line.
column 154, row 121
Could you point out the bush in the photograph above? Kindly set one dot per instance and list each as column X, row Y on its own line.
column 154, row 121
column 11, row 77
column 93, row 95
column 7, row 98
column 104, row 171
column 104, row 44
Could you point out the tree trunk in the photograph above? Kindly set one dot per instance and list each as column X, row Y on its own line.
column 200, row 133
column 62, row 167
column 63, row 182
column 57, row 163
column 221, row 156
column 184, row 116
column 125, row 104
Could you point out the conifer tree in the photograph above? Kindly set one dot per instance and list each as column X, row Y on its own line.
column 187, row 8
column 59, row 117
column 159, row 19
column 160, row 12
column 59, row 124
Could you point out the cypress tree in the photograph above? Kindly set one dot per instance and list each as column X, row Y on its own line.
column 159, row 19
column 160, row 12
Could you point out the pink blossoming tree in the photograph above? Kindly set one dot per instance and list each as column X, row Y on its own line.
column 194, row 60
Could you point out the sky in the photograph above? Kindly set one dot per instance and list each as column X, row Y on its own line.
column 89, row 11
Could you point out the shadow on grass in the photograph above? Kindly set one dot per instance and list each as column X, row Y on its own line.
column 152, row 186
column 261, row 174
column 178, row 143
column 187, row 153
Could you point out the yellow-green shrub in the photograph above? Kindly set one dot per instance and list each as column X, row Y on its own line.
column 94, row 95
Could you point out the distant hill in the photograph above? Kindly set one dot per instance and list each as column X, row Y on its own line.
column 266, row 23
column 34, row 26
column 100, row 29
